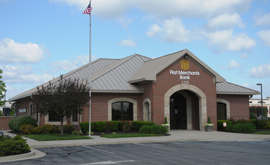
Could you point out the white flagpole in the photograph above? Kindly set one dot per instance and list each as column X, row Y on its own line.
column 90, row 75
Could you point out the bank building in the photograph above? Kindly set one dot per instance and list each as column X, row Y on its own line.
column 178, row 86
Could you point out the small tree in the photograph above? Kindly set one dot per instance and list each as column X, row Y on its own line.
column 62, row 98
column 12, row 113
column 1, row 114
column 2, row 90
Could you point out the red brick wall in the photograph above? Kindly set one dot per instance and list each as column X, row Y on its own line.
column 165, row 81
column 239, row 105
column 4, row 120
column 99, row 107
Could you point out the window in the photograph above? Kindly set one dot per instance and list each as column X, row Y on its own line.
column 221, row 111
column 75, row 117
column 122, row 111
column 53, row 117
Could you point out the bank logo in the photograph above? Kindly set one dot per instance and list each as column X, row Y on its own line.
column 184, row 64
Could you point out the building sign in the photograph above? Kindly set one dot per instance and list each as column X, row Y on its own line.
column 184, row 75
column 184, row 65
column 22, row 110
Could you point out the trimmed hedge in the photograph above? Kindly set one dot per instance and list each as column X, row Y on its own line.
column 241, row 127
column 27, row 129
column 85, row 126
column 22, row 120
column 100, row 126
column 138, row 124
column 220, row 124
column 154, row 129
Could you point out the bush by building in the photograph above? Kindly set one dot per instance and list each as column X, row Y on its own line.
column 138, row 124
column 154, row 129
column 68, row 129
column 13, row 146
column 241, row 127
column 16, row 123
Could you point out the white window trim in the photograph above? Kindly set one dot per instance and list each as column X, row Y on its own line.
column 147, row 100
column 122, row 99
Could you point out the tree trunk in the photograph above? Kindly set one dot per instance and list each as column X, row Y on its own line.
column 62, row 127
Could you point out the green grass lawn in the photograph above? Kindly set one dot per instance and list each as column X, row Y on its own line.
column 50, row 137
column 262, row 132
column 128, row 135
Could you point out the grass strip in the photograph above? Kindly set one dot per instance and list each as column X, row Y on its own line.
column 51, row 137
column 262, row 132
column 128, row 135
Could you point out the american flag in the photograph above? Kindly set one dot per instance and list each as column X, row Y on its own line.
column 88, row 9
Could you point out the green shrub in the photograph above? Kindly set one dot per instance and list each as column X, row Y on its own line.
column 109, row 127
column 85, row 126
column 253, row 121
column 100, row 126
column 1, row 114
column 68, row 129
column 252, row 116
column 12, row 113
column 220, row 124
column 11, row 124
column 37, row 130
column 154, row 129
column 138, row 124
column 260, row 124
column 13, row 146
column 50, row 129
column 267, row 124
column 145, row 129
column 74, row 133
column 115, row 125
column 242, row 127
column 27, row 129
column 22, row 120
column 79, row 133
column 125, row 126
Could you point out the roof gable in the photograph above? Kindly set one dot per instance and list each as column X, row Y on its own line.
column 150, row 69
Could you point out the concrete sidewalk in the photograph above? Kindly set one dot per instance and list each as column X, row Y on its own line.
column 176, row 135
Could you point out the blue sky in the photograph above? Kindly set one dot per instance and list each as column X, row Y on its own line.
column 42, row 39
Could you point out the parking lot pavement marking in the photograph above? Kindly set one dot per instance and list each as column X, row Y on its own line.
column 98, row 149
column 155, row 146
column 109, row 162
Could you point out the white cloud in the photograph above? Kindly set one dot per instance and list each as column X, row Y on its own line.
column 265, row 36
column 244, row 56
column 23, row 74
column 262, row 20
column 169, row 8
column 172, row 30
column 71, row 64
column 225, row 40
column 246, row 85
column 128, row 43
column 232, row 64
column 12, row 52
column 225, row 21
column 260, row 71
column 153, row 30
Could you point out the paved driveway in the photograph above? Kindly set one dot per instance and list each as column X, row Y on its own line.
column 241, row 152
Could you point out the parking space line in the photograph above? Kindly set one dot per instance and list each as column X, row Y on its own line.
column 155, row 146
column 98, row 149
column 109, row 162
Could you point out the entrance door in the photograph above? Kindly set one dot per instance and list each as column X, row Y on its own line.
column 178, row 112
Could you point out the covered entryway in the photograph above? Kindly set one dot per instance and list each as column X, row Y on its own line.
column 178, row 112
column 188, row 110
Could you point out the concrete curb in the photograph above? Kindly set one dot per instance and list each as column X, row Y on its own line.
column 119, row 142
column 31, row 155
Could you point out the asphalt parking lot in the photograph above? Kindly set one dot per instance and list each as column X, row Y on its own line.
column 157, row 153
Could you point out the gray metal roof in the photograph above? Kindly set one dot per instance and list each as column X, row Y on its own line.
column 119, row 75
column 81, row 72
column 115, row 77
column 233, row 89
column 151, row 68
